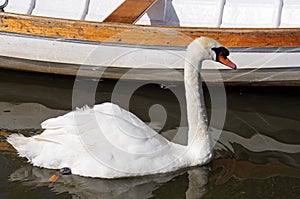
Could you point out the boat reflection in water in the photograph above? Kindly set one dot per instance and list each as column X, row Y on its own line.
column 257, row 157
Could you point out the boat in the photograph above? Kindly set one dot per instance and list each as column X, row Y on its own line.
column 145, row 40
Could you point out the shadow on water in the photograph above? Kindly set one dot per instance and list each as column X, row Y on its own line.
column 257, row 155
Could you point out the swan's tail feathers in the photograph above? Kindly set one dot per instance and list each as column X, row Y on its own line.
column 19, row 142
column 39, row 150
column 26, row 147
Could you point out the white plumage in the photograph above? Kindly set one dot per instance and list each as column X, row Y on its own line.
column 109, row 142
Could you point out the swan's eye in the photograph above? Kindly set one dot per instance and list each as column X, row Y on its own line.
column 225, row 51
column 221, row 50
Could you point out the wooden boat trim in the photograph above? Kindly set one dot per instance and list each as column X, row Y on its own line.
column 146, row 35
column 244, row 77
column 125, row 14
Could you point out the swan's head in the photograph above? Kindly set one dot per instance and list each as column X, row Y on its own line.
column 210, row 49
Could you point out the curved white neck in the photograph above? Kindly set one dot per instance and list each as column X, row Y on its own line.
column 198, row 136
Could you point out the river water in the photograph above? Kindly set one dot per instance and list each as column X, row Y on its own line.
column 256, row 156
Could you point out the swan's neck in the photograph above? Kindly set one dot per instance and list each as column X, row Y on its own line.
column 198, row 137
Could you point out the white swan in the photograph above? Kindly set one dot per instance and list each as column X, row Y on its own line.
column 110, row 142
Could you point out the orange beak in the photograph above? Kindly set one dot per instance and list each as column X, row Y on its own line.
column 227, row 62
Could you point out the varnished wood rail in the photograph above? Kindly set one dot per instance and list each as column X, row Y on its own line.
column 146, row 35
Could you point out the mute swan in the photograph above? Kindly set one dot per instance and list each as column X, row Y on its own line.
column 107, row 141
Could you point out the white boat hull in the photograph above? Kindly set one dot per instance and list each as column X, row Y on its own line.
column 97, row 54
column 141, row 62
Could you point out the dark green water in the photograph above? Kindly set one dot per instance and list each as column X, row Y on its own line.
column 257, row 155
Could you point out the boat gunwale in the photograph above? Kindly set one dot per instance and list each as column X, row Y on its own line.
column 137, row 26
column 156, row 47
column 127, row 33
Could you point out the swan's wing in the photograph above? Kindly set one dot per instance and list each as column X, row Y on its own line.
column 83, row 116
column 106, row 141
column 106, row 125
column 65, row 120
column 123, row 129
column 124, row 119
column 119, row 117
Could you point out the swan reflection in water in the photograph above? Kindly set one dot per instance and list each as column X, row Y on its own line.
column 199, row 178
column 257, row 157
column 138, row 187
